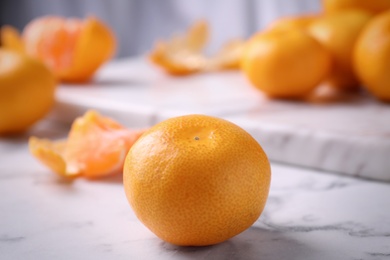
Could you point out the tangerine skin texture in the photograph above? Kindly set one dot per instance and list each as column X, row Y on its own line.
column 197, row 180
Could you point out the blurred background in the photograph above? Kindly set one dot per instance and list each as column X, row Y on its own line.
column 139, row 23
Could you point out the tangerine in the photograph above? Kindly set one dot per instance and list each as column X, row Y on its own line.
column 27, row 89
column 285, row 63
column 294, row 22
column 338, row 32
column 372, row 56
column 373, row 6
column 73, row 48
column 196, row 180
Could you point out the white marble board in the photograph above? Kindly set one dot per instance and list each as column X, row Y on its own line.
column 351, row 137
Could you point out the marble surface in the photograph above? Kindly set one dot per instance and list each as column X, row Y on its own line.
column 309, row 215
column 348, row 135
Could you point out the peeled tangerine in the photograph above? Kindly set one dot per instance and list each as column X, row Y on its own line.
column 96, row 147
column 73, row 48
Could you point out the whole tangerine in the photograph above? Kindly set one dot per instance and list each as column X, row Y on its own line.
column 338, row 32
column 372, row 56
column 27, row 89
column 373, row 6
column 197, row 180
column 285, row 63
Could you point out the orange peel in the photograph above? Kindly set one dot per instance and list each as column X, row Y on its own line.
column 184, row 54
column 96, row 146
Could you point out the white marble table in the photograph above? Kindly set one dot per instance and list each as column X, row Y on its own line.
column 309, row 215
column 350, row 135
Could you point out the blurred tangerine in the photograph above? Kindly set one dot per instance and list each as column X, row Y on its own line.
column 373, row 6
column 338, row 32
column 27, row 89
column 372, row 56
column 73, row 48
column 285, row 63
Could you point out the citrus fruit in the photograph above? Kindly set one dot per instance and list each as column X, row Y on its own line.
column 96, row 146
column 10, row 39
column 73, row 48
column 294, row 22
column 373, row 6
column 27, row 89
column 196, row 180
column 372, row 56
column 338, row 32
column 285, row 63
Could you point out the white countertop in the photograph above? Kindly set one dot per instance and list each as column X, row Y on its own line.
column 309, row 215
column 347, row 134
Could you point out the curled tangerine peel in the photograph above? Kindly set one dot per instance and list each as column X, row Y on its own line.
column 183, row 54
column 96, row 147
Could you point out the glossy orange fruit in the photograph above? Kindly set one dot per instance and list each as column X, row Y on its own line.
column 96, row 147
column 196, row 180
column 372, row 56
column 73, row 48
column 338, row 32
column 27, row 89
column 373, row 6
column 285, row 63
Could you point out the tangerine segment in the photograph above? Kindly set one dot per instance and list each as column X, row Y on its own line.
column 96, row 146
column 196, row 180
column 73, row 48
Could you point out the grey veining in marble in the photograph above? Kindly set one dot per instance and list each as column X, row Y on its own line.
column 309, row 215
